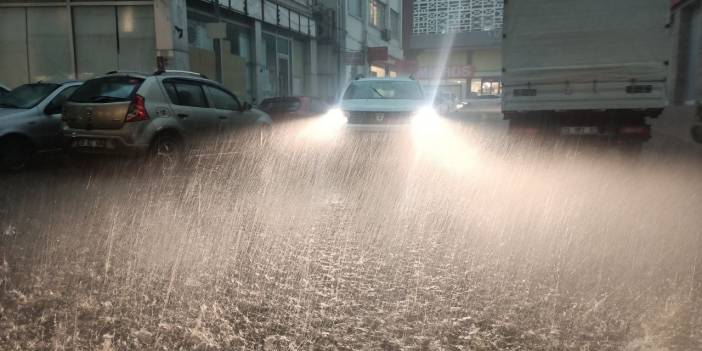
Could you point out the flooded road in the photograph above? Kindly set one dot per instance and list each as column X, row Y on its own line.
column 448, row 239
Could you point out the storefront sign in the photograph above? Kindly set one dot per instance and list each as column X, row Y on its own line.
column 379, row 53
column 449, row 72
column 354, row 58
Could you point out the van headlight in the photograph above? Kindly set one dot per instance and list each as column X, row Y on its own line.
column 425, row 117
column 335, row 116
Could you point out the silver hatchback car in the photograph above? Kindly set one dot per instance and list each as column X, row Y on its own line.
column 161, row 114
column 30, row 121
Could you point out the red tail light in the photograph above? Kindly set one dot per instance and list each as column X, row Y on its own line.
column 635, row 130
column 137, row 110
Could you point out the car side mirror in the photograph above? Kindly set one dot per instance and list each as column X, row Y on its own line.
column 245, row 106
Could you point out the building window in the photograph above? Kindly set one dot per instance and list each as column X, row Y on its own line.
column 376, row 71
column 395, row 24
column 355, row 8
column 113, row 38
column 485, row 86
column 455, row 16
column 377, row 14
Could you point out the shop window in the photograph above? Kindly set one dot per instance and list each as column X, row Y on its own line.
column 490, row 87
column 377, row 14
column 13, row 55
column 485, row 86
column 95, row 40
column 137, row 44
column 114, row 38
column 48, row 43
column 376, row 71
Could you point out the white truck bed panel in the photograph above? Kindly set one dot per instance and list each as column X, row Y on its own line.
column 576, row 54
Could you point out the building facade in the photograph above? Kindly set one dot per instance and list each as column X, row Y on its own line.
column 257, row 48
column 361, row 38
column 455, row 45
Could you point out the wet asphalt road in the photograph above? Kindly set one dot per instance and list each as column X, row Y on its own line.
column 455, row 238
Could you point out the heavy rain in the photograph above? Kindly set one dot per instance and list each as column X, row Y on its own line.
column 429, row 175
column 333, row 240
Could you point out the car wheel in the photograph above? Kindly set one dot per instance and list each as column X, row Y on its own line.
column 166, row 152
column 15, row 153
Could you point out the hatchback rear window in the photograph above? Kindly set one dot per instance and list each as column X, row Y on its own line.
column 108, row 89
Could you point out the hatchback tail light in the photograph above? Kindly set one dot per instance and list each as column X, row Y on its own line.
column 137, row 110
column 644, row 130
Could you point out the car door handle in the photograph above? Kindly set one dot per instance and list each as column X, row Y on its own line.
column 222, row 117
column 182, row 115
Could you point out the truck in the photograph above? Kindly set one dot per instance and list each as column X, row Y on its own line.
column 593, row 69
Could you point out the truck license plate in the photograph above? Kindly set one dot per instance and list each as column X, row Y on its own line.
column 580, row 131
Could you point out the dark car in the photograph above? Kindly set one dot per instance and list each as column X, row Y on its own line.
column 4, row 90
column 293, row 107
column 30, row 121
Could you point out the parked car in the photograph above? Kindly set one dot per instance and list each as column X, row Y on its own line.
column 161, row 114
column 4, row 90
column 483, row 106
column 30, row 121
column 443, row 105
column 293, row 107
column 696, row 130
column 697, row 133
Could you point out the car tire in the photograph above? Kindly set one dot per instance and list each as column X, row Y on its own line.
column 166, row 152
column 15, row 153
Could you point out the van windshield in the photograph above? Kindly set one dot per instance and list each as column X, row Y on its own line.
column 397, row 90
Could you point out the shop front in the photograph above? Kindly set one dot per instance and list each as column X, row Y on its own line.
column 459, row 74
column 67, row 40
column 381, row 64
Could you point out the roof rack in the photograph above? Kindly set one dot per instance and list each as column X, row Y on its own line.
column 168, row 71
column 125, row 72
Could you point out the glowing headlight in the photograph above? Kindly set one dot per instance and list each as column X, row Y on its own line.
column 425, row 117
column 335, row 116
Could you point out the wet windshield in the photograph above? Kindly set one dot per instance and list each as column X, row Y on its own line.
column 395, row 90
column 27, row 96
